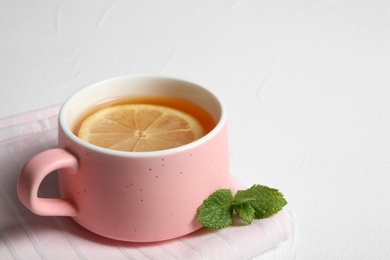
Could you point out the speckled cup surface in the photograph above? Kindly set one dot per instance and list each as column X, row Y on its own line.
column 131, row 196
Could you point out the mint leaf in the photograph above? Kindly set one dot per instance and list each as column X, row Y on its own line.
column 216, row 211
column 265, row 201
column 245, row 211
column 256, row 202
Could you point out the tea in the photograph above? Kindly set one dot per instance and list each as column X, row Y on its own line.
column 193, row 110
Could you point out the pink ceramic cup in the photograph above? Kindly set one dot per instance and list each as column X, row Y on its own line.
column 131, row 196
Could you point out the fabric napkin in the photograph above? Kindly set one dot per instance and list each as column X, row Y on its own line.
column 24, row 235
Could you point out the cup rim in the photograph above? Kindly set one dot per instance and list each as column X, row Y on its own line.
column 67, row 131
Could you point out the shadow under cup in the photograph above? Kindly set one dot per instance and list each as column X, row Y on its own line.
column 142, row 196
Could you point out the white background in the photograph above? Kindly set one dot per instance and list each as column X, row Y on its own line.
column 306, row 85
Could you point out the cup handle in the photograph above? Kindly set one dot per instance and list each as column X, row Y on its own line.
column 32, row 175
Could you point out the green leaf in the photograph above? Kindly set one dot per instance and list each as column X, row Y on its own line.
column 216, row 211
column 256, row 202
column 265, row 201
column 245, row 211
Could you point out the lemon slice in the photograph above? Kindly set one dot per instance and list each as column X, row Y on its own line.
column 140, row 128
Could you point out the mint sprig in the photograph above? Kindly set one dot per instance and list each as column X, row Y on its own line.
column 256, row 202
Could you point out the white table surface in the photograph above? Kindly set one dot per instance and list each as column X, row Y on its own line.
column 306, row 84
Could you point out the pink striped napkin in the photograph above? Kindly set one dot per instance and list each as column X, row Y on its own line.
column 24, row 235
